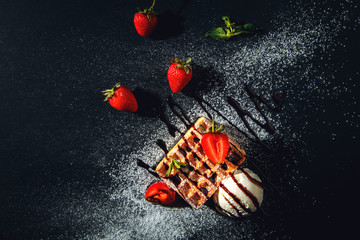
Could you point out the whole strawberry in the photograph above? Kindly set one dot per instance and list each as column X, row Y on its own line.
column 179, row 74
column 145, row 21
column 215, row 144
column 121, row 98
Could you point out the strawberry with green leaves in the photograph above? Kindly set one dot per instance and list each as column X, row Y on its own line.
column 215, row 143
column 121, row 98
column 145, row 21
column 179, row 74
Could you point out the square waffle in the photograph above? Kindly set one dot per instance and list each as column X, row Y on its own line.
column 199, row 181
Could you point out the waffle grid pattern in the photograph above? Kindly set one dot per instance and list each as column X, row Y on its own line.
column 199, row 181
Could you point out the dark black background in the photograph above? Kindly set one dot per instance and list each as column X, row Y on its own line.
column 54, row 58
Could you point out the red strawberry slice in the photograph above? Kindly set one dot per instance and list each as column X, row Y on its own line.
column 215, row 143
column 215, row 146
column 121, row 98
column 179, row 74
column 145, row 21
column 159, row 192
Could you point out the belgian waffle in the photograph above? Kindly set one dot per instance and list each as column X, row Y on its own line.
column 197, row 182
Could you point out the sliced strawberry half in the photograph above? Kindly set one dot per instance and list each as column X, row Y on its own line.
column 159, row 192
column 215, row 144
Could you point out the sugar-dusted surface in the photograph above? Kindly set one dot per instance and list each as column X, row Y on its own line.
column 69, row 161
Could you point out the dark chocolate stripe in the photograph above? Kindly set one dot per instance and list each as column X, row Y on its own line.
column 247, row 192
column 235, row 208
column 229, row 213
column 242, row 113
column 236, row 148
column 251, row 179
column 236, row 199
column 162, row 145
column 181, row 115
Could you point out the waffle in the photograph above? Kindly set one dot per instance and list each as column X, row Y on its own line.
column 199, row 181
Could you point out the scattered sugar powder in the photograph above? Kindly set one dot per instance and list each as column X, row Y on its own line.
column 284, row 58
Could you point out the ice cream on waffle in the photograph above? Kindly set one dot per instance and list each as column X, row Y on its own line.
column 200, row 179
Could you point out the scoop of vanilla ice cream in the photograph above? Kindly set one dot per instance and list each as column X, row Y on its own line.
column 239, row 194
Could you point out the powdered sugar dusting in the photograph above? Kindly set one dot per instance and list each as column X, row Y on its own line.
column 269, row 63
column 295, row 53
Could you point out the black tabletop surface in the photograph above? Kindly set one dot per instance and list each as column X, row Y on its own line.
column 68, row 167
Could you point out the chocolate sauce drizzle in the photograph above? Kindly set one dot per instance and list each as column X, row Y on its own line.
column 235, row 198
column 251, row 179
column 162, row 145
column 278, row 100
column 201, row 102
column 244, row 114
column 171, row 128
column 181, row 115
column 147, row 167
column 249, row 194
column 257, row 100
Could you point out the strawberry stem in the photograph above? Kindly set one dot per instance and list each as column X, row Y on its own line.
column 108, row 93
column 181, row 64
column 215, row 127
column 148, row 11
column 152, row 6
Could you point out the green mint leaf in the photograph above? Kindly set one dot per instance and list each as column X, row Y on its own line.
column 239, row 32
column 183, row 165
column 228, row 32
column 239, row 28
column 177, row 164
column 249, row 27
column 217, row 33
column 225, row 18
column 170, row 169
column 226, row 21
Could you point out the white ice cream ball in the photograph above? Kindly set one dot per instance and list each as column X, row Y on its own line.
column 239, row 194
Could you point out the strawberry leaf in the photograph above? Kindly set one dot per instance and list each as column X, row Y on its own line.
column 220, row 128
column 108, row 93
